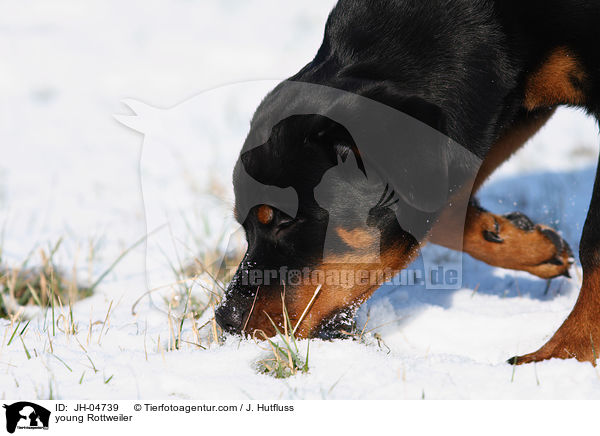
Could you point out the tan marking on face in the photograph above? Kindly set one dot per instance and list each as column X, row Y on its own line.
column 357, row 238
column 264, row 214
column 344, row 280
column 557, row 81
column 365, row 277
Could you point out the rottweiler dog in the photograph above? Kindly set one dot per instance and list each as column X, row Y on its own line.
column 487, row 74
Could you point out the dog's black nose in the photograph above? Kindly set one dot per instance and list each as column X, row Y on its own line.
column 230, row 319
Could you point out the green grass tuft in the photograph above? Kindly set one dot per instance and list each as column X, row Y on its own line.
column 284, row 359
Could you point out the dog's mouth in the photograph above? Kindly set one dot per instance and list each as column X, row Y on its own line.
column 339, row 325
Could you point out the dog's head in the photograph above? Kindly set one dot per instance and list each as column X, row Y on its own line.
column 334, row 191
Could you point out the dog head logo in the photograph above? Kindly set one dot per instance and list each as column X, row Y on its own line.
column 327, row 182
column 188, row 150
column 372, row 180
column 26, row 415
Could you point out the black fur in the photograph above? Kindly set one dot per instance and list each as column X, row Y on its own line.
column 463, row 66
column 520, row 221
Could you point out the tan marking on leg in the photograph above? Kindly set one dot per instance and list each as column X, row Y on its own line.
column 557, row 81
column 452, row 221
column 524, row 250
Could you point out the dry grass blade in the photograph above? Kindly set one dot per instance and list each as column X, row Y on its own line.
column 105, row 321
column 251, row 310
column 307, row 308
column 285, row 359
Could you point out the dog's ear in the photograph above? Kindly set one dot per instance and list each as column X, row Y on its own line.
column 404, row 142
column 335, row 138
column 415, row 156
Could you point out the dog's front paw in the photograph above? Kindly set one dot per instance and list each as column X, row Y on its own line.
column 561, row 259
column 514, row 241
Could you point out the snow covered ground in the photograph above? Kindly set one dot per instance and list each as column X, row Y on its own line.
column 69, row 169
